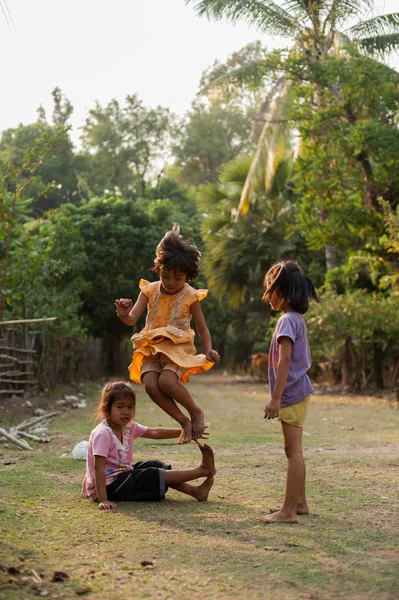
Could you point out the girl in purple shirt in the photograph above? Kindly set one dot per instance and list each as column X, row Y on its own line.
column 111, row 475
column 287, row 289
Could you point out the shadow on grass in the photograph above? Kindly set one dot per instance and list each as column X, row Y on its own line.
column 225, row 520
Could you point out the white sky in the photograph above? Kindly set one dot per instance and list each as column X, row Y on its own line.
column 99, row 49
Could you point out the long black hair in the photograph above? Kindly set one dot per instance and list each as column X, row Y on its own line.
column 175, row 252
column 291, row 285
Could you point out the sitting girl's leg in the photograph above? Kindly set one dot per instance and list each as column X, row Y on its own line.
column 296, row 473
column 150, row 381
column 169, row 384
column 199, row 492
column 178, row 480
column 145, row 482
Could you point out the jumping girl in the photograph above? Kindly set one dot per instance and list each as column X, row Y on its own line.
column 164, row 352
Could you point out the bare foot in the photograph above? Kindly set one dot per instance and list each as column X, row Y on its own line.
column 198, row 424
column 201, row 492
column 185, row 436
column 279, row 517
column 208, row 459
column 301, row 509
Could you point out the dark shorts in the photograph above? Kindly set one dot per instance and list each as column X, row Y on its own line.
column 145, row 483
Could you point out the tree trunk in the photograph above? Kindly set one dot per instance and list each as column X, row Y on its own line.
column 378, row 362
column 371, row 193
column 115, row 361
column 331, row 256
column 349, row 369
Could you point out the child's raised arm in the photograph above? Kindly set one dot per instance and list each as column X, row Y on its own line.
column 203, row 332
column 126, row 313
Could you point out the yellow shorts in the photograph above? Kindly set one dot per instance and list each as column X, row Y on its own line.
column 295, row 414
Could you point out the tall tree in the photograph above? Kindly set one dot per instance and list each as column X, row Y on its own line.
column 238, row 252
column 336, row 206
column 213, row 134
column 127, row 146
column 15, row 205
column 55, row 178
column 316, row 30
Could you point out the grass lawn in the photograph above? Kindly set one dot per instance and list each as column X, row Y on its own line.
column 347, row 548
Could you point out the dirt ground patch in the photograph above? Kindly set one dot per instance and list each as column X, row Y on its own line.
column 347, row 547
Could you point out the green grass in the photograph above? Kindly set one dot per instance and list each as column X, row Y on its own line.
column 347, row 547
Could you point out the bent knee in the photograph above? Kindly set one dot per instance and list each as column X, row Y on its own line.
column 168, row 384
column 151, row 387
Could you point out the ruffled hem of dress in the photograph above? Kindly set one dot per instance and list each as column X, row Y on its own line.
column 160, row 334
column 192, row 364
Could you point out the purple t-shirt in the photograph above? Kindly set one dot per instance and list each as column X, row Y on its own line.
column 298, row 385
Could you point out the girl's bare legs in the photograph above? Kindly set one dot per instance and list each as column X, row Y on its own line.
column 199, row 492
column 150, row 381
column 178, row 480
column 296, row 476
column 169, row 384
column 302, row 506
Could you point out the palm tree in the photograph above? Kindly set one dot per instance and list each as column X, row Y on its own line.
column 316, row 29
column 239, row 252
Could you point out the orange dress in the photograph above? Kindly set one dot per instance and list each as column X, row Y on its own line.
column 167, row 330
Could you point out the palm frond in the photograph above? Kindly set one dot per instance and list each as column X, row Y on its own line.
column 260, row 118
column 379, row 35
column 251, row 74
column 281, row 177
column 208, row 196
column 264, row 14
column 341, row 10
column 380, row 44
column 236, row 170
column 273, row 146
column 381, row 25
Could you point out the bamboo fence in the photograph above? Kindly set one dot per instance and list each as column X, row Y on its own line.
column 18, row 357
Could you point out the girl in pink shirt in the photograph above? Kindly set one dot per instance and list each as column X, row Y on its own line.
column 110, row 473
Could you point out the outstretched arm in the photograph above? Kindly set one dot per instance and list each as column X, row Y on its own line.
column 203, row 332
column 126, row 313
column 166, row 433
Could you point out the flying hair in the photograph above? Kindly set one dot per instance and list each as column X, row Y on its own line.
column 175, row 252
column 293, row 287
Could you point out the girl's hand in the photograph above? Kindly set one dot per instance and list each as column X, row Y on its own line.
column 107, row 505
column 213, row 356
column 123, row 307
column 272, row 409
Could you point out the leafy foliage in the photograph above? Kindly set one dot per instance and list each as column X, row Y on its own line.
column 55, row 179
column 352, row 330
column 352, row 124
column 312, row 28
column 14, row 206
column 323, row 178
column 126, row 146
column 213, row 135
